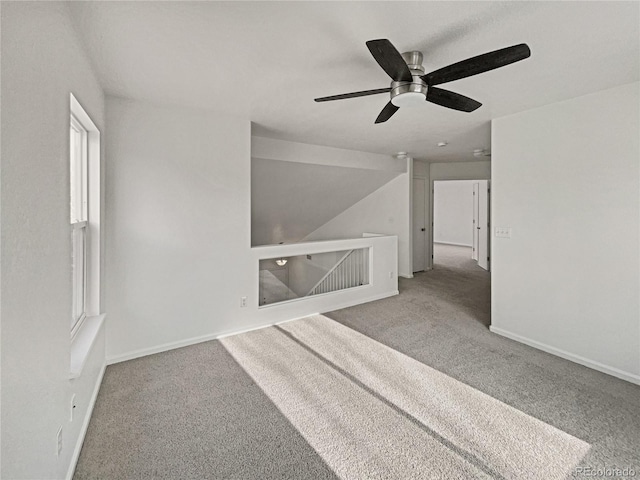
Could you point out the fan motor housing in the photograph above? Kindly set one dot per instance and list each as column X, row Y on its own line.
column 408, row 94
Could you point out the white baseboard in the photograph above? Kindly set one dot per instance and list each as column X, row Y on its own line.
column 373, row 298
column 85, row 424
column 454, row 244
column 143, row 352
column 216, row 336
column 616, row 372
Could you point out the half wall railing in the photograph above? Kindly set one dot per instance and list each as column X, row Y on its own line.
column 352, row 270
column 315, row 277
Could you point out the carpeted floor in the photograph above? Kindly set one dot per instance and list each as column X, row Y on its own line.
column 441, row 319
column 416, row 387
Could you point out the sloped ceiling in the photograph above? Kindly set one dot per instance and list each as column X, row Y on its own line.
column 266, row 61
column 289, row 200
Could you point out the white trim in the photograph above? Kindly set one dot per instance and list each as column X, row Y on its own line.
column 409, row 231
column 85, row 424
column 265, row 252
column 77, row 225
column 79, row 161
column 94, row 197
column 82, row 343
column 409, row 276
column 77, row 326
column 310, row 297
column 79, row 297
column 80, row 114
column 427, row 224
column 616, row 372
column 190, row 341
column 93, row 207
column 454, row 244
column 216, row 336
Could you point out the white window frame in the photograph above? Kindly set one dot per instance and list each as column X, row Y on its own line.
column 79, row 179
column 85, row 220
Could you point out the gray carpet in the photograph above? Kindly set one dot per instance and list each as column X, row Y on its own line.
column 313, row 399
column 191, row 413
column 372, row 412
column 441, row 319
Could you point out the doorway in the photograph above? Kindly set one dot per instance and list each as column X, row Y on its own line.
column 461, row 222
column 419, row 224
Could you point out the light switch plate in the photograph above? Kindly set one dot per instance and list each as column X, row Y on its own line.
column 503, row 232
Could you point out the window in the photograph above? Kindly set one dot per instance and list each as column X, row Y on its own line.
column 84, row 214
column 79, row 172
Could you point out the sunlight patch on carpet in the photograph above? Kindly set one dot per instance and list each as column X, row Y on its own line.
column 372, row 412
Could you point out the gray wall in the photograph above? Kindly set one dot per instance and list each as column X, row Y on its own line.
column 565, row 179
column 386, row 211
column 42, row 62
column 480, row 170
column 179, row 251
column 289, row 200
column 178, row 205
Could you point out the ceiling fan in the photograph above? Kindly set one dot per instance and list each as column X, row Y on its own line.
column 410, row 86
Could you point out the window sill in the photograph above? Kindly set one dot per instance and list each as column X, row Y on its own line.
column 83, row 342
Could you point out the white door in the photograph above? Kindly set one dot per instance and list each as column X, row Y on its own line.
column 419, row 226
column 474, row 250
column 483, row 224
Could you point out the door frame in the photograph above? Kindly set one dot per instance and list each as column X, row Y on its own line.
column 430, row 221
column 484, row 193
column 476, row 216
column 427, row 262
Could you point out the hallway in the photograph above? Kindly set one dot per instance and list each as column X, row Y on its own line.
column 453, row 256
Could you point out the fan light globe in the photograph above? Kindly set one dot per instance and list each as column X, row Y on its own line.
column 409, row 99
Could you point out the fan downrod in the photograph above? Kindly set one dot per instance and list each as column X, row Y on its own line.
column 414, row 62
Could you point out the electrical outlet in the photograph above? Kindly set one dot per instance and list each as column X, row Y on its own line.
column 59, row 442
column 73, row 407
column 243, row 302
column 390, row 274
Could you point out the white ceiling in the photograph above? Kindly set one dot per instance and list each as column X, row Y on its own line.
column 266, row 61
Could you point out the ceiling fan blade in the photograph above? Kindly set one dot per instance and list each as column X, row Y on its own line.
column 390, row 60
column 480, row 64
column 453, row 100
column 363, row 93
column 387, row 112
